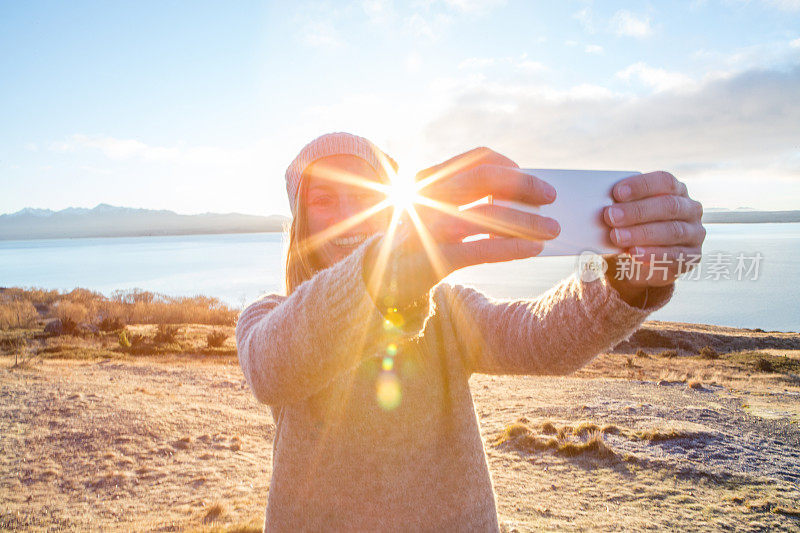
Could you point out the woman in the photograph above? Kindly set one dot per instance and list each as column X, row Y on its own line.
column 365, row 362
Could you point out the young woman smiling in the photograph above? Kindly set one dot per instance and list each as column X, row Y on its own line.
column 365, row 361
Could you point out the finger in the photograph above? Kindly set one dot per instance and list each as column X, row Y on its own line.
column 498, row 221
column 501, row 182
column 470, row 253
column 645, row 185
column 673, row 232
column 663, row 207
column 466, row 161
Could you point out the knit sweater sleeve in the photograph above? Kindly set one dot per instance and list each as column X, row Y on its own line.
column 292, row 346
column 555, row 333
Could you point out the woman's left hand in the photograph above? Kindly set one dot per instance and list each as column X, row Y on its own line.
column 660, row 226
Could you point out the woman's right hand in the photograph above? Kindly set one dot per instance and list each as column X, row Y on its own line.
column 416, row 260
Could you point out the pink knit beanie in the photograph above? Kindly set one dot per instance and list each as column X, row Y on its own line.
column 333, row 144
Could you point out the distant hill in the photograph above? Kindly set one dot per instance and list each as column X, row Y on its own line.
column 110, row 221
column 745, row 215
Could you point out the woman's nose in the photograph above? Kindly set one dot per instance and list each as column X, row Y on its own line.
column 349, row 207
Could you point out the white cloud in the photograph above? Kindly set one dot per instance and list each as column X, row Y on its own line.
column 474, row 6
column 378, row 11
column 521, row 63
column 795, row 43
column 430, row 26
column 476, row 63
column 586, row 19
column 321, row 33
column 742, row 125
column 413, row 62
column 656, row 78
column 784, row 5
column 531, row 66
column 626, row 23
column 593, row 49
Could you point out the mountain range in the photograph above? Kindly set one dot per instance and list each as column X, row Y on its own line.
column 111, row 221
column 106, row 220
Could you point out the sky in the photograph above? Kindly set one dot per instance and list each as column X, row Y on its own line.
column 200, row 106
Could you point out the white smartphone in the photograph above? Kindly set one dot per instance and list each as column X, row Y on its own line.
column 581, row 196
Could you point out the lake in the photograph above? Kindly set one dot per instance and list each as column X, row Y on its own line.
column 238, row 267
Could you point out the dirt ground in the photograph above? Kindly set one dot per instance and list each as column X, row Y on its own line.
column 632, row 442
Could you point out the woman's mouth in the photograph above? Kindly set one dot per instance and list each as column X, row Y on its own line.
column 350, row 241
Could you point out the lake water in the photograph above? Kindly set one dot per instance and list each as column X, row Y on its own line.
column 238, row 267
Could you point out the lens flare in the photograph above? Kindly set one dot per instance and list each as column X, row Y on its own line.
column 388, row 391
column 403, row 192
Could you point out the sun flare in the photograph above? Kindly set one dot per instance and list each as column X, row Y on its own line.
column 402, row 193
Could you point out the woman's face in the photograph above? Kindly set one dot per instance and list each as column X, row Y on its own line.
column 330, row 202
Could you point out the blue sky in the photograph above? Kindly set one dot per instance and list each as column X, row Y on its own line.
column 200, row 106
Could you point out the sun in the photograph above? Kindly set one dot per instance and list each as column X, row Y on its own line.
column 402, row 193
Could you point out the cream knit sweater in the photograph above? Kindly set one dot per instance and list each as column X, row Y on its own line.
column 366, row 441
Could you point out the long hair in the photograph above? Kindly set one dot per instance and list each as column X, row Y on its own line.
column 300, row 264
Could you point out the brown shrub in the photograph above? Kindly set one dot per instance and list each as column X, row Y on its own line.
column 216, row 338
column 17, row 314
column 133, row 306
column 71, row 314
column 669, row 354
column 214, row 512
column 764, row 365
column 594, row 444
column 166, row 334
column 110, row 324
column 707, row 352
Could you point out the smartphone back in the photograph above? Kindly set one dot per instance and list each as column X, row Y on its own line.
column 581, row 196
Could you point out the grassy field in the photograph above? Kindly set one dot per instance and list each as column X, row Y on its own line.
column 163, row 434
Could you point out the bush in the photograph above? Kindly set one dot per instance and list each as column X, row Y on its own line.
column 134, row 306
column 137, row 340
column 111, row 324
column 71, row 314
column 707, row 352
column 764, row 365
column 17, row 314
column 216, row 338
column 124, row 342
column 669, row 354
column 641, row 353
column 166, row 334
column 69, row 326
column 131, row 342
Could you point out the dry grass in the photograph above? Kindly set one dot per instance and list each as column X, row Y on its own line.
column 707, row 352
column 740, row 369
column 695, row 384
column 522, row 437
column 216, row 338
column 135, row 340
column 17, row 314
column 214, row 512
column 122, row 307
column 176, row 443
